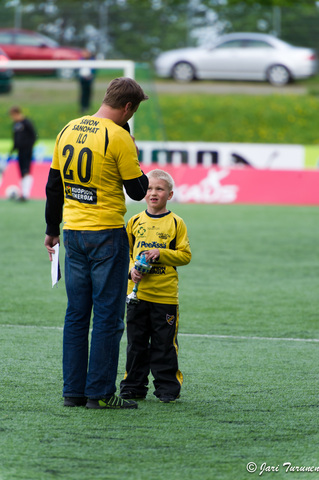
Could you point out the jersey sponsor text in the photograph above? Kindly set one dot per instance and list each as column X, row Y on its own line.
column 151, row 245
column 80, row 193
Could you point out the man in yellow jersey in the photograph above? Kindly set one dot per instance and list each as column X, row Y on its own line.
column 94, row 157
column 152, row 322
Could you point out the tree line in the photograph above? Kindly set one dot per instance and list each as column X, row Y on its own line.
column 140, row 29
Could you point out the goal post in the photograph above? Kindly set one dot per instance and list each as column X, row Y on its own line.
column 128, row 67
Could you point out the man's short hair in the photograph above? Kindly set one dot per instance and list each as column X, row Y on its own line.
column 162, row 175
column 122, row 91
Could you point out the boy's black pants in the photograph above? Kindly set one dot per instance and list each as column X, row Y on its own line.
column 152, row 347
column 24, row 159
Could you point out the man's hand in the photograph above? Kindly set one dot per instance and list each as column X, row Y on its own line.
column 49, row 243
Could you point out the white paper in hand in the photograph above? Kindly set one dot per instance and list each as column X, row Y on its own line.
column 55, row 266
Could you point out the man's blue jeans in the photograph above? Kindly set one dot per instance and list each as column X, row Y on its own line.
column 96, row 272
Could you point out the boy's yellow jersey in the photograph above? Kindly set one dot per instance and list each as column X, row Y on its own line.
column 168, row 233
column 94, row 156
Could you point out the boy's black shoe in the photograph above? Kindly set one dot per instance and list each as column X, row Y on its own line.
column 167, row 399
column 113, row 403
column 75, row 401
column 128, row 395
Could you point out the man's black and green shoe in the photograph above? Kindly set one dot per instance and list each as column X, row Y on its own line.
column 113, row 403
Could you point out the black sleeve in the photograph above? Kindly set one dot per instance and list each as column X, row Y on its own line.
column 31, row 129
column 54, row 203
column 137, row 187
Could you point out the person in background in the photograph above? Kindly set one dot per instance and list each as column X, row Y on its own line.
column 86, row 79
column 24, row 137
column 94, row 157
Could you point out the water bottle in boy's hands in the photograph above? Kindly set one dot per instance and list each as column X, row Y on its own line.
column 142, row 266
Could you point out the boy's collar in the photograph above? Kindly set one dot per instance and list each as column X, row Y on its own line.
column 157, row 216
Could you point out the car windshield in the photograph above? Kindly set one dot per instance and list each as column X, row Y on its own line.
column 34, row 40
column 245, row 43
column 252, row 43
column 5, row 38
column 230, row 44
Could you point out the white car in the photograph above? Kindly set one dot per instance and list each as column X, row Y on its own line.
column 239, row 56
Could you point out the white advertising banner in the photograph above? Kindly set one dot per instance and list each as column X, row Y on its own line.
column 263, row 156
column 228, row 155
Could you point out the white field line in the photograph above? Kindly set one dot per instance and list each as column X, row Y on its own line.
column 196, row 335
column 242, row 337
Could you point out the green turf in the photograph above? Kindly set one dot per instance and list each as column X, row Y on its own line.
column 254, row 273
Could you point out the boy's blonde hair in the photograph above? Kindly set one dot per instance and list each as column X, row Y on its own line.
column 161, row 175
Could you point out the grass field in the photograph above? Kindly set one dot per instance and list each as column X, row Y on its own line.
column 283, row 119
column 248, row 339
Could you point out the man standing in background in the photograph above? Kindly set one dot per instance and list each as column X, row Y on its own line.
column 86, row 79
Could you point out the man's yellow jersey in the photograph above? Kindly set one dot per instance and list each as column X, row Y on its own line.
column 168, row 233
column 94, row 155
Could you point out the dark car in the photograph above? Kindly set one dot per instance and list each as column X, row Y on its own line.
column 5, row 73
column 27, row 45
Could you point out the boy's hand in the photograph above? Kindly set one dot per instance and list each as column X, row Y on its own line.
column 152, row 255
column 136, row 276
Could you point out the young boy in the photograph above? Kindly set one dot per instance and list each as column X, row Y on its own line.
column 24, row 137
column 152, row 322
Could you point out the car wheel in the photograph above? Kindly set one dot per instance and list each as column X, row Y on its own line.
column 183, row 72
column 278, row 75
